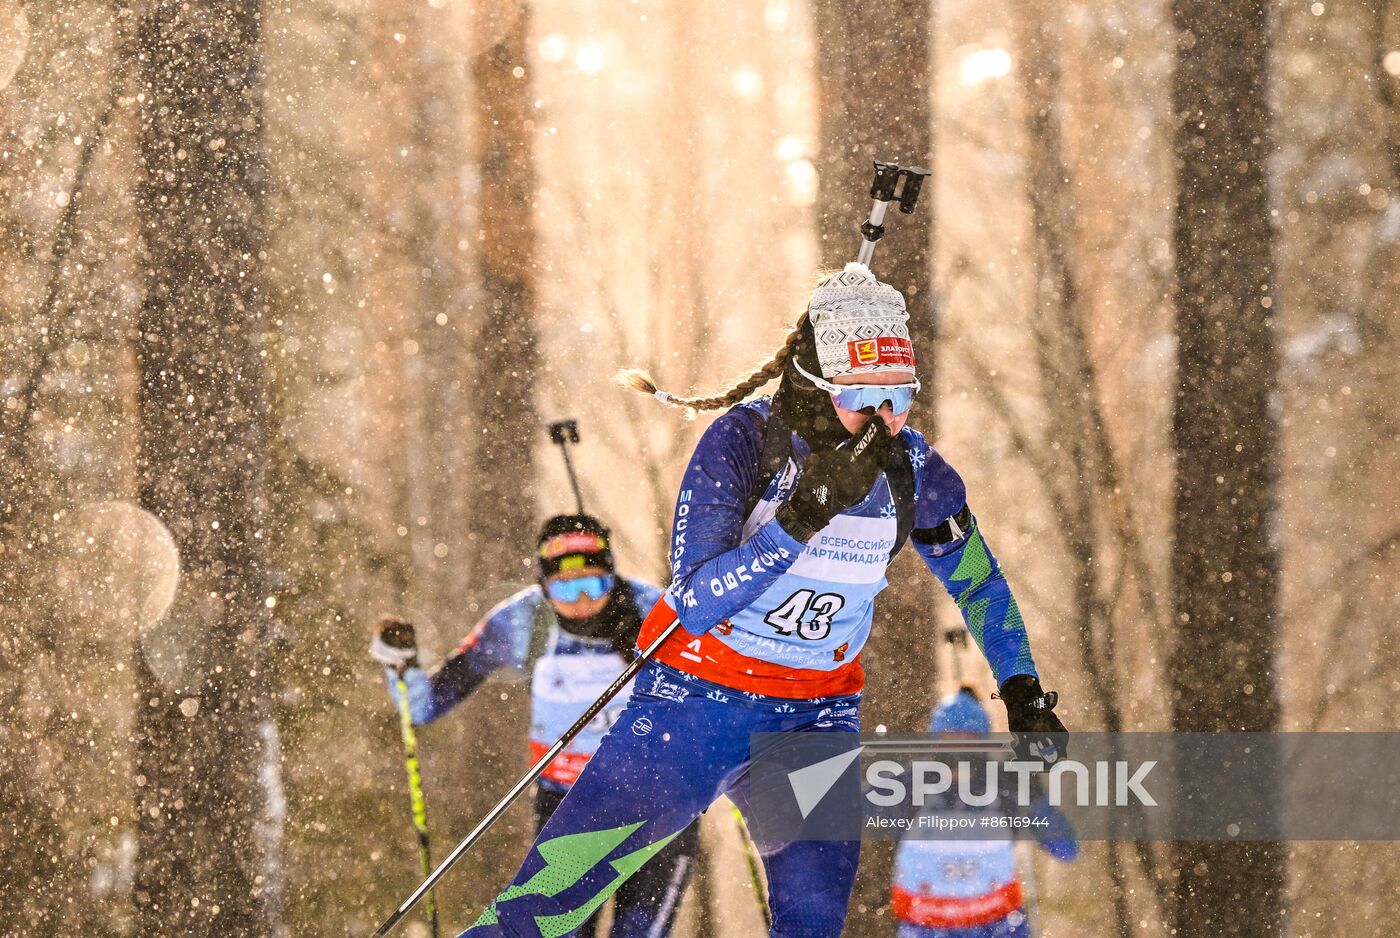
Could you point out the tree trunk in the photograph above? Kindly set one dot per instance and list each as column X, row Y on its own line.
column 869, row 113
column 443, row 321
column 203, row 445
column 424, row 179
column 1225, row 565
column 505, row 348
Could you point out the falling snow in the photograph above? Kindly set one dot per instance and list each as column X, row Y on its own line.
column 289, row 293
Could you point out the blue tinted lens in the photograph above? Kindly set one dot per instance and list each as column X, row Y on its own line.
column 570, row 591
column 899, row 397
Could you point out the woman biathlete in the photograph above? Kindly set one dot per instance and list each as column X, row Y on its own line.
column 571, row 634
column 788, row 515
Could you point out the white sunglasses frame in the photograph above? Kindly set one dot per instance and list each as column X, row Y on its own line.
column 830, row 388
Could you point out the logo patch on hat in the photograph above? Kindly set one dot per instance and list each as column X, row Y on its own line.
column 579, row 542
column 886, row 350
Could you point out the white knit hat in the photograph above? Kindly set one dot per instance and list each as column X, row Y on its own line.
column 860, row 325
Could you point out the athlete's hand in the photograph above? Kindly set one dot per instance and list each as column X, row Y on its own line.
column 394, row 643
column 834, row 480
column 1030, row 714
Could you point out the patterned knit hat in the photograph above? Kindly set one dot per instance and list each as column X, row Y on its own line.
column 960, row 713
column 860, row 325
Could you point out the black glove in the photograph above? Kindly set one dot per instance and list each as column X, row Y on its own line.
column 394, row 644
column 834, row 480
column 1030, row 714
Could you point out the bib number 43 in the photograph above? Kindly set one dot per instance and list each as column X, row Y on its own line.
column 790, row 616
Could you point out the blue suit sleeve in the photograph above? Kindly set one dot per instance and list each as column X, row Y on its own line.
column 966, row 566
column 500, row 640
column 644, row 594
column 713, row 575
column 420, row 693
column 1057, row 839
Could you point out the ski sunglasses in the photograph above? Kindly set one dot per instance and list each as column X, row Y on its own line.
column 571, row 591
column 900, row 397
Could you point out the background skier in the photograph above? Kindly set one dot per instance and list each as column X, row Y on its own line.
column 967, row 888
column 571, row 633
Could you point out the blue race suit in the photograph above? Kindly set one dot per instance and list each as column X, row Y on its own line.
column 775, row 616
column 567, row 673
column 773, row 630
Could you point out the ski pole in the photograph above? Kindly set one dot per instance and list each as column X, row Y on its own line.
column 564, row 432
column 415, row 791
column 750, row 854
column 892, row 183
column 535, row 771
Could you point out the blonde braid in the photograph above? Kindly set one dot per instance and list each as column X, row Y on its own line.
column 638, row 380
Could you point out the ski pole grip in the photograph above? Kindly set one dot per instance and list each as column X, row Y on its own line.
column 563, row 431
column 882, row 189
column 912, row 181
